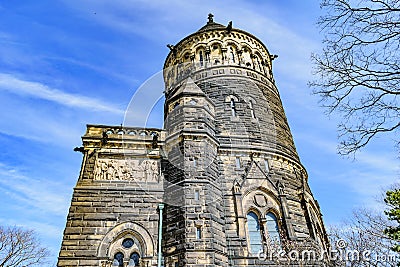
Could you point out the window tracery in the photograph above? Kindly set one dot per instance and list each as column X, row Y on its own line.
column 125, row 250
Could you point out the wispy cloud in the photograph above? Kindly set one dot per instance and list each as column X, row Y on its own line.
column 383, row 161
column 294, row 48
column 15, row 85
column 143, row 104
column 103, row 70
column 376, row 160
column 368, row 185
column 38, row 193
column 364, row 178
column 36, row 123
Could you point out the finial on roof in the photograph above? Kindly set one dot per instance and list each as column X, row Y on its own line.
column 210, row 18
column 229, row 27
column 172, row 48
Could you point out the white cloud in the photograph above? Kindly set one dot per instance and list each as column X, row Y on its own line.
column 34, row 89
column 370, row 173
column 176, row 18
column 383, row 161
column 38, row 193
column 103, row 70
column 28, row 120
column 141, row 107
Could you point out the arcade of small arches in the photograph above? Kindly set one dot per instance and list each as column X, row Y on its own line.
column 212, row 51
column 216, row 54
column 209, row 53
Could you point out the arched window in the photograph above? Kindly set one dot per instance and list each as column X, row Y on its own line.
column 233, row 107
column 259, row 67
column 231, row 55
column 186, row 57
column 118, row 259
column 253, row 226
column 134, row 259
column 253, row 115
column 272, row 228
column 201, row 58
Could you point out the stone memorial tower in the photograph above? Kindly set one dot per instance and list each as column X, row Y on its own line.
column 220, row 185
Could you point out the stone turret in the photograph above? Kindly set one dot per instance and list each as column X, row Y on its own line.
column 263, row 182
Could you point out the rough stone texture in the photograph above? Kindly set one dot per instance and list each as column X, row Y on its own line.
column 226, row 150
column 105, row 211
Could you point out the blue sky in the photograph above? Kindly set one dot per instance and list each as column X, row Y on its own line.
column 64, row 64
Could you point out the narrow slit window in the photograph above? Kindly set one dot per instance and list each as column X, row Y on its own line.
column 196, row 195
column 233, row 107
column 194, row 162
column 266, row 165
column 238, row 163
column 198, row 232
column 253, row 115
column 201, row 58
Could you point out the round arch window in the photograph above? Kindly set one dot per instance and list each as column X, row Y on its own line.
column 118, row 260
column 134, row 259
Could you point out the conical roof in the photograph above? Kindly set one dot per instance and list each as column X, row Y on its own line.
column 211, row 25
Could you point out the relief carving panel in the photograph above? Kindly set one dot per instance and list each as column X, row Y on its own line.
column 139, row 170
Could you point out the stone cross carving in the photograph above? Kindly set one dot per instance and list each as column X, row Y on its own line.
column 210, row 18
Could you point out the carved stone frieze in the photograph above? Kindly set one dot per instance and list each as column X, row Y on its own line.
column 139, row 170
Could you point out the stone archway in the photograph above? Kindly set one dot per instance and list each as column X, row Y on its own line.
column 140, row 232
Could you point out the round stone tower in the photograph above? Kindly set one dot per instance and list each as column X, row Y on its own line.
column 235, row 189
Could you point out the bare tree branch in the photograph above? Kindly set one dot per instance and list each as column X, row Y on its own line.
column 363, row 232
column 358, row 71
column 19, row 247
